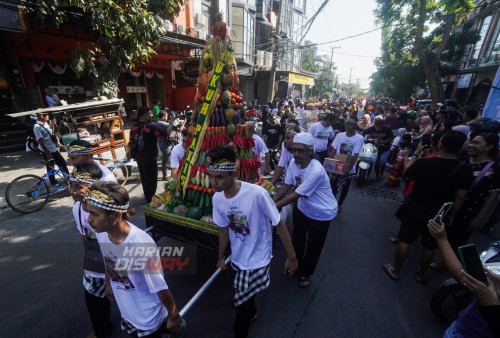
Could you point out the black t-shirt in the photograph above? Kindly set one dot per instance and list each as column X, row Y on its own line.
column 436, row 181
column 383, row 135
column 149, row 134
column 273, row 132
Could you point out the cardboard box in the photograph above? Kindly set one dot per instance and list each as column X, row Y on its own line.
column 337, row 164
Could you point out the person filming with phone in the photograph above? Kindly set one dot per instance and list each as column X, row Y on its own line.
column 480, row 318
column 436, row 180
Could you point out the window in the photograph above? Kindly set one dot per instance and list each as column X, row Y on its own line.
column 243, row 33
column 482, row 35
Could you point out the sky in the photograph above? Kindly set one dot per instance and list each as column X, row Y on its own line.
column 340, row 19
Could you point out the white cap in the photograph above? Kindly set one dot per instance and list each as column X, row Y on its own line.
column 439, row 104
column 304, row 138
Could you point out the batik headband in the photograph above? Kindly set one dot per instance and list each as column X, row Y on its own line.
column 100, row 200
column 221, row 165
column 82, row 178
column 78, row 150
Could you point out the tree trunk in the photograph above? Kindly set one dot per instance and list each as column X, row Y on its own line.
column 433, row 78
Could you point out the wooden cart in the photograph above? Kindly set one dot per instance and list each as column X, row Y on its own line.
column 102, row 120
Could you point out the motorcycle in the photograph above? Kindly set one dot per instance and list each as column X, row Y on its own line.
column 366, row 160
column 451, row 297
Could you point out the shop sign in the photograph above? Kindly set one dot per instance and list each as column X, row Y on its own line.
column 300, row 79
column 191, row 69
column 136, row 89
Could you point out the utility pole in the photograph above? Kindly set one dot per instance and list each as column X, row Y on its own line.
column 349, row 89
column 331, row 64
column 275, row 53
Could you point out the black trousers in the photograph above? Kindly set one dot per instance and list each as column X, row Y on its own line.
column 100, row 314
column 165, row 157
column 321, row 155
column 148, row 169
column 59, row 160
column 308, row 239
column 244, row 314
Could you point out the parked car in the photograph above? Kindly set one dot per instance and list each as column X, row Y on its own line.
column 420, row 104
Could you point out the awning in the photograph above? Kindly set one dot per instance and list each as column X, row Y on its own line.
column 300, row 79
column 183, row 40
column 70, row 107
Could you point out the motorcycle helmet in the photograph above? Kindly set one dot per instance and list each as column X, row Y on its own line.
column 33, row 117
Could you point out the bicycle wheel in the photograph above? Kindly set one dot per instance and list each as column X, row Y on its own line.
column 119, row 169
column 27, row 194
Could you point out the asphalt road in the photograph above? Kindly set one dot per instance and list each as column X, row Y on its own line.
column 350, row 295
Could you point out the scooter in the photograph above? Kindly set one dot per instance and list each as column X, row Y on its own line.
column 451, row 297
column 366, row 160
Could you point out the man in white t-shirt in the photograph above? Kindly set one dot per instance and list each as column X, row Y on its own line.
column 286, row 156
column 244, row 213
column 146, row 304
column 80, row 151
column 259, row 149
column 98, row 304
column 177, row 154
column 316, row 205
column 323, row 134
column 347, row 143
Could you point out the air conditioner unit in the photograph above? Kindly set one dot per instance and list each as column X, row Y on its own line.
column 259, row 62
column 168, row 25
column 181, row 29
column 268, row 60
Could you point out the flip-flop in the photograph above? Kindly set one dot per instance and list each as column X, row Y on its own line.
column 304, row 282
column 387, row 269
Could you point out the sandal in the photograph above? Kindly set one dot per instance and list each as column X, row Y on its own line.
column 304, row 282
column 389, row 270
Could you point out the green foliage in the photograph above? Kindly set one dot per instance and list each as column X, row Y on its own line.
column 410, row 51
column 308, row 63
column 127, row 32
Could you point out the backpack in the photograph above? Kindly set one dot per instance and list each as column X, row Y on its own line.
column 136, row 144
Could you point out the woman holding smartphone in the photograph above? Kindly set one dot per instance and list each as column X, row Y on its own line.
column 480, row 318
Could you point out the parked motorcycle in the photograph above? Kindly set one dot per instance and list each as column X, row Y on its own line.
column 366, row 160
column 451, row 297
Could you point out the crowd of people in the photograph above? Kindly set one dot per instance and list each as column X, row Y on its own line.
column 440, row 154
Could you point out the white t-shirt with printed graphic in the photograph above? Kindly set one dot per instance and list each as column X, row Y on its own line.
column 312, row 183
column 249, row 216
column 321, row 135
column 346, row 145
column 84, row 228
column 134, row 287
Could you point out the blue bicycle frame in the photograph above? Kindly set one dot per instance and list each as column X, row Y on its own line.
column 56, row 173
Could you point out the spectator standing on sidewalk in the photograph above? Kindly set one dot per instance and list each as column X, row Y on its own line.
column 437, row 180
column 144, row 150
column 147, row 306
column 165, row 125
column 316, row 205
column 244, row 213
column 43, row 135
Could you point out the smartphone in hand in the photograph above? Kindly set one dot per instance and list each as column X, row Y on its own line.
column 469, row 256
column 441, row 214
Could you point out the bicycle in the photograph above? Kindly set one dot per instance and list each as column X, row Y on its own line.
column 29, row 193
column 117, row 167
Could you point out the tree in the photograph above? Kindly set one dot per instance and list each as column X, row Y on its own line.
column 412, row 19
column 127, row 33
column 308, row 63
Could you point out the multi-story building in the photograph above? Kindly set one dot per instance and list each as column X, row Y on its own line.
column 479, row 65
column 34, row 58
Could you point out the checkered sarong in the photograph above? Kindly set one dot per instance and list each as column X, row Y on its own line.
column 248, row 283
column 135, row 332
column 94, row 286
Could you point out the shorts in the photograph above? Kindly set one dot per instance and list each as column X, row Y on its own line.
column 410, row 230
